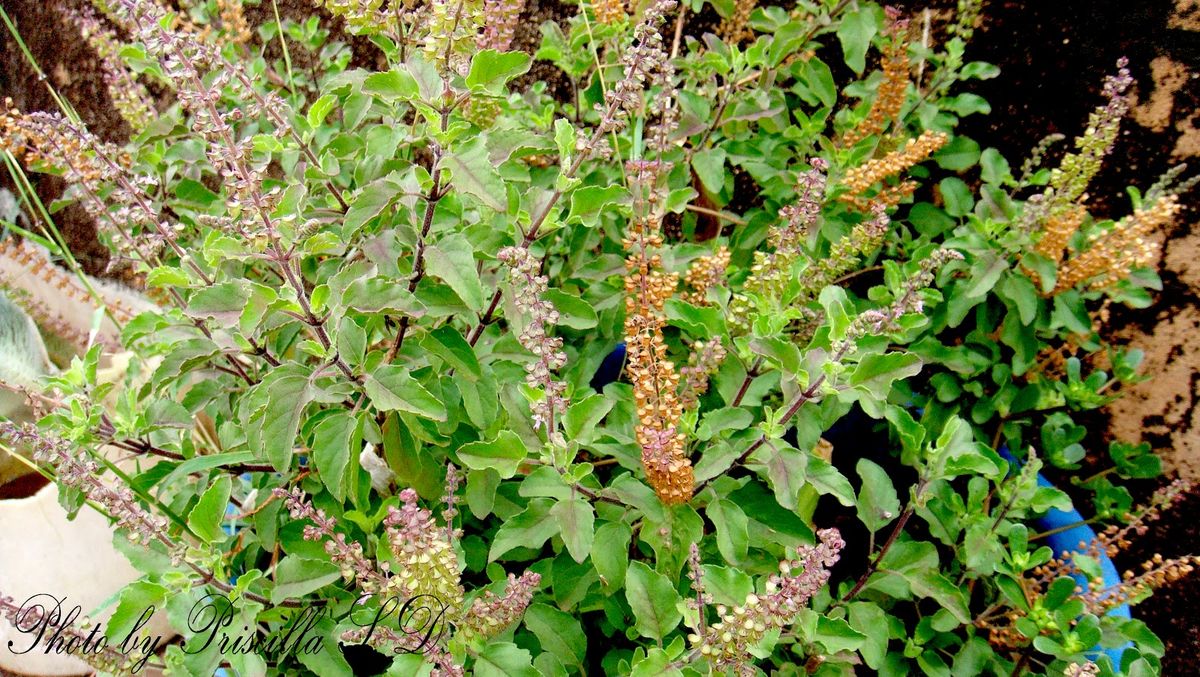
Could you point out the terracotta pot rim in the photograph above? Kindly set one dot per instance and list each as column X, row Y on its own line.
column 26, row 488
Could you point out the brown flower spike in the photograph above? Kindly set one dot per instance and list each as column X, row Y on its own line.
column 655, row 380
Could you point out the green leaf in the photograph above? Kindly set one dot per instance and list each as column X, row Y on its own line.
column 199, row 464
column 453, row 260
column 223, row 302
column 929, row 583
column 733, row 539
column 298, row 576
column 380, row 295
column 448, row 344
column 709, row 165
column 827, row 480
column 855, row 33
column 504, row 659
column 785, row 473
column 573, row 311
column 415, row 466
column 929, row 220
column 700, row 322
column 589, row 202
column 391, row 388
column 986, row 271
column 481, row 492
column 1024, row 295
column 836, row 635
column 331, row 453
column 546, row 482
column 727, row 585
column 166, row 276
column 288, row 392
column 871, row 621
column 960, row 154
column 576, row 523
column 966, row 104
column 393, row 84
column 136, row 599
column 480, row 400
column 878, row 503
column 369, row 203
column 504, row 454
column 837, row 308
column 472, row 172
column 718, row 421
column 491, row 70
column 206, row 517
column 653, row 599
column 565, row 139
column 582, row 417
column 779, row 352
column 957, row 196
column 610, row 553
column 320, row 108
column 994, row 168
column 876, row 372
column 558, row 632
column 530, row 528
column 351, row 341
column 819, row 80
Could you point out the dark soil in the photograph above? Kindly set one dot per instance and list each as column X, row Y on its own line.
column 1173, row 612
column 1053, row 58
column 71, row 67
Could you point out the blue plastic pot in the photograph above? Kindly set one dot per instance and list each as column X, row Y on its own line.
column 1067, row 541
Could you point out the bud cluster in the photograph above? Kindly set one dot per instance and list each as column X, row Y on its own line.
column 703, row 363
column 453, row 30
column 735, row 29
column 1069, row 181
column 367, row 16
column 92, row 648
column 528, row 293
column 348, row 556
column 654, row 378
column 1098, row 598
column 609, row 12
column 116, row 197
column 424, row 554
column 48, row 294
column 859, row 180
column 490, row 614
column 129, row 97
column 75, row 470
column 705, row 273
column 1114, row 253
column 423, row 563
column 647, row 64
column 889, row 97
column 729, row 641
column 771, row 273
column 882, row 320
column 202, row 77
column 845, row 253
column 1057, row 232
column 502, row 18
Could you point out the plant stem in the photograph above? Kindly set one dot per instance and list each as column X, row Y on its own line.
column 1065, row 527
column 873, row 565
column 720, row 215
column 435, row 194
column 751, row 374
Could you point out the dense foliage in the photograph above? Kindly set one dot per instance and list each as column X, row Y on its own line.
column 696, row 358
